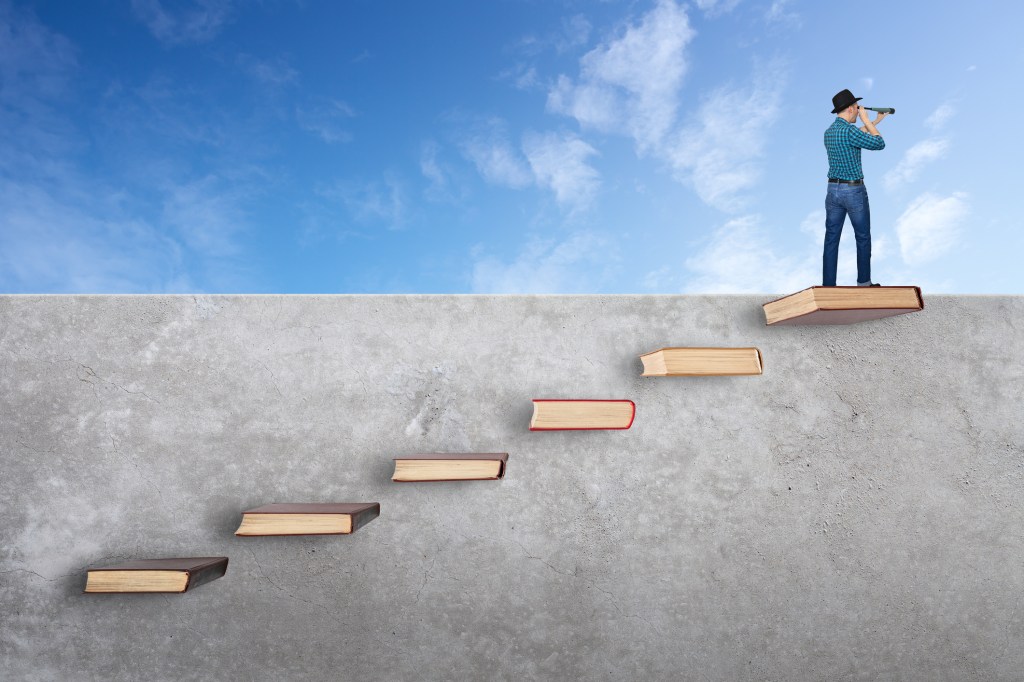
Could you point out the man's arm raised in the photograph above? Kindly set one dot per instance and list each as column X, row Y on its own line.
column 868, row 126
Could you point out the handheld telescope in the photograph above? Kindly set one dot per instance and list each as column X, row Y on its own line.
column 882, row 110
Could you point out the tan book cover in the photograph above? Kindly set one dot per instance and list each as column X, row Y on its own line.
column 155, row 575
column 842, row 305
column 337, row 518
column 473, row 466
column 695, row 362
column 581, row 415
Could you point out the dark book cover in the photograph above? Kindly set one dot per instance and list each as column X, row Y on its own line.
column 200, row 570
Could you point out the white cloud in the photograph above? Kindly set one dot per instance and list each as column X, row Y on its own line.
column 659, row 280
column 444, row 183
column 64, row 229
column 523, row 76
column 327, row 120
column 868, row 82
column 631, row 84
column 550, row 160
column 743, row 256
column 168, row 110
column 715, row 7
column 740, row 258
column 494, row 156
column 431, row 169
column 207, row 214
column 584, row 262
column 380, row 202
column 199, row 23
column 559, row 162
column 50, row 241
column 777, row 14
column 274, row 72
column 718, row 154
column 592, row 104
column 914, row 160
column 814, row 224
column 573, row 33
column 37, row 72
column 930, row 226
column 940, row 116
column 35, row 62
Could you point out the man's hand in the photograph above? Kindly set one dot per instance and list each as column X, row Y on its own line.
column 880, row 117
column 868, row 126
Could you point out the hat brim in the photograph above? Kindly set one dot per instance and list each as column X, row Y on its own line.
column 838, row 109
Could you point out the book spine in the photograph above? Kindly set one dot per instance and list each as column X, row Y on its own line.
column 204, row 575
column 364, row 517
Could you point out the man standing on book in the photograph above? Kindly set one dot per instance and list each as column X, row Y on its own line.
column 846, row 191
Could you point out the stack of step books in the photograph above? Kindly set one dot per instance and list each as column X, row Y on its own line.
column 815, row 305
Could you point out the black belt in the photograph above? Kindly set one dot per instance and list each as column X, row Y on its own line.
column 846, row 182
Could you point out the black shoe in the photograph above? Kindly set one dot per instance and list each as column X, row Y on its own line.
column 876, row 285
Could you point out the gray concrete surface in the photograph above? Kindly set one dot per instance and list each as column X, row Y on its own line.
column 854, row 513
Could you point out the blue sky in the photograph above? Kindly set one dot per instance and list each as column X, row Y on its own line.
column 497, row 146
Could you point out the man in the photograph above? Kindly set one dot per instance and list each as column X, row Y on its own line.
column 846, row 191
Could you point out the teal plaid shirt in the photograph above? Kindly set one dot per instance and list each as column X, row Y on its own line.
column 843, row 142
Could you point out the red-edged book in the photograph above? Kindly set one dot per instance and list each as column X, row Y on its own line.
column 446, row 466
column 581, row 415
column 338, row 518
column 155, row 575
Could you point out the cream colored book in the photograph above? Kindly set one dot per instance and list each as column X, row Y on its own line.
column 155, row 575
column 842, row 305
column 475, row 466
column 558, row 415
column 695, row 362
column 339, row 518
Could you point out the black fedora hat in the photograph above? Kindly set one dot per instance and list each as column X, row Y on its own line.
column 843, row 99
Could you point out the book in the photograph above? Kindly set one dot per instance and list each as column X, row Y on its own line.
column 472, row 466
column 559, row 415
column 694, row 362
column 842, row 305
column 155, row 575
column 339, row 518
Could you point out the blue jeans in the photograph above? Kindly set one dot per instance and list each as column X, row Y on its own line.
column 840, row 200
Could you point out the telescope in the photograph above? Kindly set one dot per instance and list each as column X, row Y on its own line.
column 882, row 110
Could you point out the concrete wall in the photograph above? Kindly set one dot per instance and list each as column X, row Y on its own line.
column 854, row 513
